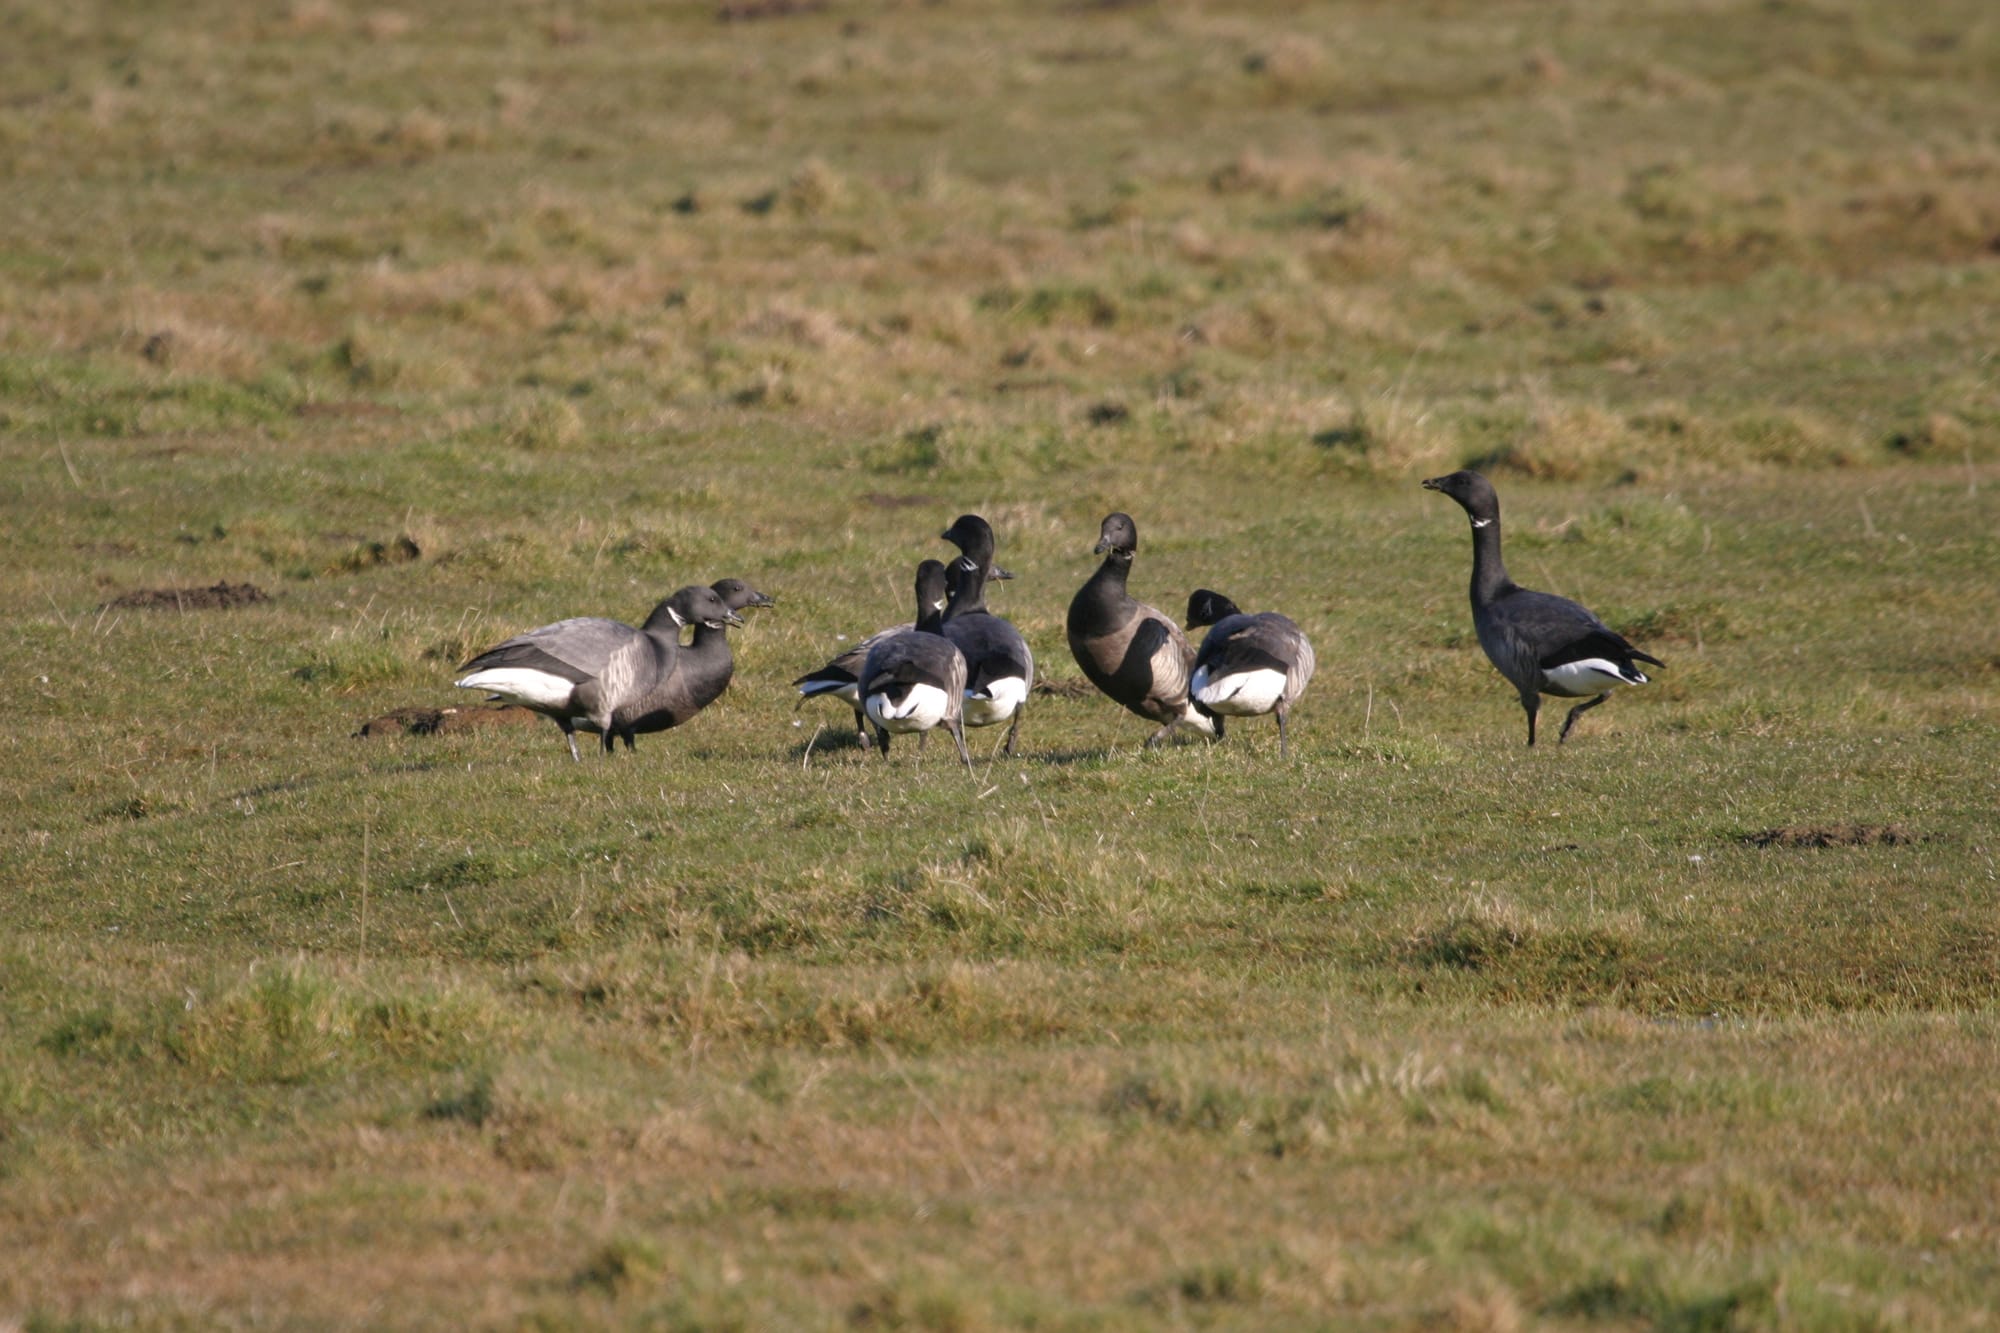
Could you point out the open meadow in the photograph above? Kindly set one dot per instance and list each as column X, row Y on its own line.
column 432, row 322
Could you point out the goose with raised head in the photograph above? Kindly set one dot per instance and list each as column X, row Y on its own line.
column 914, row 680
column 1132, row 652
column 1542, row 643
column 1248, row 665
column 584, row 672
column 702, row 670
column 999, row 667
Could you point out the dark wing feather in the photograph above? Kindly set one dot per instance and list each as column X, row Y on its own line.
column 1598, row 642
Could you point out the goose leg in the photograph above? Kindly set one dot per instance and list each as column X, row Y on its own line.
column 1570, row 721
column 610, row 739
column 882, row 741
column 958, row 734
column 1153, row 741
column 569, row 734
column 1533, row 704
column 1281, row 732
column 1014, row 731
column 861, row 730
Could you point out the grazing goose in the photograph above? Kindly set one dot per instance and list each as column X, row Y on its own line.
column 701, row 672
column 1129, row 650
column 999, row 668
column 914, row 680
column 583, row 673
column 1248, row 665
column 1542, row 643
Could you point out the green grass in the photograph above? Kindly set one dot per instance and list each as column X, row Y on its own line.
column 440, row 322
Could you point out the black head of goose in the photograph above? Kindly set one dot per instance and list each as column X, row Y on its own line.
column 1132, row 652
column 582, row 672
column 840, row 677
column 701, row 672
column 999, row 668
column 915, row 680
column 973, row 536
column 1248, row 665
column 1542, row 643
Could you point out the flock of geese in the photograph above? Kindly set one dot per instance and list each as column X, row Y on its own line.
column 959, row 665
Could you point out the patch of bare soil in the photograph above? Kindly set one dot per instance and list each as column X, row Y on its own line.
column 446, row 721
column 221, row 597
column 1833, row 835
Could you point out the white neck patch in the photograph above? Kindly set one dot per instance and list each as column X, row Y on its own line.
column 678, row 621
column 1482, row 522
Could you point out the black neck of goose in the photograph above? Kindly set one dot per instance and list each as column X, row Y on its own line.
column 709, row 643
column 1489, row 575
column 1108, row 583
column 930, row 619
column 970, row 596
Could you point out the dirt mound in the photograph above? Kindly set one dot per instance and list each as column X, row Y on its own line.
column 446, row 721
column 221, row 597
column 1833, row 835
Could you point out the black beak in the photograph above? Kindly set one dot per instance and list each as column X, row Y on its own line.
column 1432, row 483
column 731, row 618
column 999, row 575
column 1103, row 545
column 759, row 599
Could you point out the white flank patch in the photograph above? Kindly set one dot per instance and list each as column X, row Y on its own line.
column 848, row 690
column 1592, row 675
column 1002, row 700
column 1240, row 693
column 1204, row 725
column 522, row 685
column 922, row 708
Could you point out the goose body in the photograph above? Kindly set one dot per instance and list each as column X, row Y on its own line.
column 1542, row 643
column 1248, row 665
column 1132, row 652
column 594, row 674
column 914, row 680
column 1000, row 668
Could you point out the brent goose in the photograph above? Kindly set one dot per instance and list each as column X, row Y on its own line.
column 840, row 678
column 914, row 680
column 1130, row 651
column 583, row 673
column 1248, row 665
column 999, row 668
column 701, row 672
column 1542, row 643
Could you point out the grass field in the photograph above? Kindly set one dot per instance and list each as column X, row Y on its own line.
column 440, row 321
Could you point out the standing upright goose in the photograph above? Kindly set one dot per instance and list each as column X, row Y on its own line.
column 1130, row 651
column 1542, row 643
column 701, row 671
column 999, row 668
column 1248, row 665
column 914, row 680
column 585, row 672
